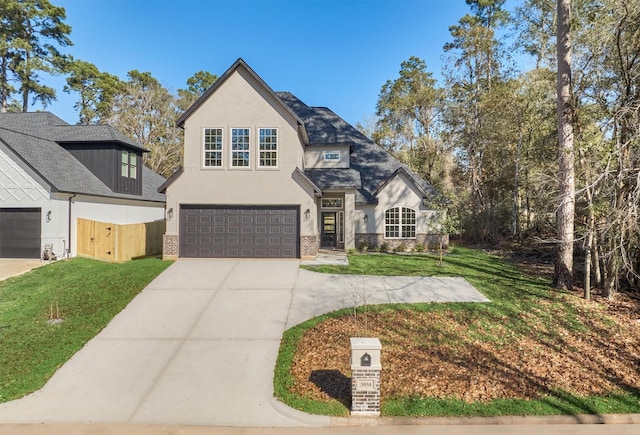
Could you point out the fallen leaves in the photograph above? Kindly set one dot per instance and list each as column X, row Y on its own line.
column 455, row 354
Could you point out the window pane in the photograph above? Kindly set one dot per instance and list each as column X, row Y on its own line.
column 391, row 221
column 331, row 202
column 124, row 171
column 133, row 167
column 240, row 141
column 213, row 147
column 268, row 146
column 408, row 231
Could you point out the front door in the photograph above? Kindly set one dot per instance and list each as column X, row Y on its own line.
column 328, row 230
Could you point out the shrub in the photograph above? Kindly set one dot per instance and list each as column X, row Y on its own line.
column 363, row 247
column 384, row 247
column 419, row 247
column 402, row 247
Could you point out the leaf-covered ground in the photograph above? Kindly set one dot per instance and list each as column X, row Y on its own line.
column 556, row 343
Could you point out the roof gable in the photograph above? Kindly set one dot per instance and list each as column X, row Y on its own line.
column 241, row 64
column 412, row 178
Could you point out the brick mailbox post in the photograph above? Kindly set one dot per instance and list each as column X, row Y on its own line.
column 365, row 376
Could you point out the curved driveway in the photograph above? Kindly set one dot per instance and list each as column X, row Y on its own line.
column 198, row 345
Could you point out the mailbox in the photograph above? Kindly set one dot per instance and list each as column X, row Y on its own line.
column 365, row 353
column 365, row 360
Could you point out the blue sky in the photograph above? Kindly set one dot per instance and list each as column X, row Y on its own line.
column 333, row 53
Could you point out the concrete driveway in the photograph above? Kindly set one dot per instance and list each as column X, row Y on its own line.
column 17, row 266
column 199, row 344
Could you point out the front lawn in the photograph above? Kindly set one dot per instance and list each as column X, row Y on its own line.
column 532, row 350
column 48, row 314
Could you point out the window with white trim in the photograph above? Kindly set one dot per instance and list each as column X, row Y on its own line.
column 129, row 166
column 240, row 147
column 331, row 202
column 213, row 147
column 268, row 148
column 400, row 223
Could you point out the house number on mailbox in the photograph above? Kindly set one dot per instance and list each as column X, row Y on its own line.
column 365, row 360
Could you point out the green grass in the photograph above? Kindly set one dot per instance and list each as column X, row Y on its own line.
column 87, row 294
column 560, row 404
column 282, row 374
column 523, row 302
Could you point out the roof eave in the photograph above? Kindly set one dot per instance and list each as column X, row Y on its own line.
column 173, row 177
column 126, row 144
column 316, row 190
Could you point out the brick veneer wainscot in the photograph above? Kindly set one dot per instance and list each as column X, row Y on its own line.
column 170, row 245
column 365, row 403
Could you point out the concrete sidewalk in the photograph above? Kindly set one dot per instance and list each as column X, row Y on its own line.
column 319, row 293
column 198, row 346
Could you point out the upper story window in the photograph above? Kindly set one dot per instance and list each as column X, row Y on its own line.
column 213, row 147
column 400, row 223
column 129, row 166
column 331, row 156
column 240, row 147
column 268, row 147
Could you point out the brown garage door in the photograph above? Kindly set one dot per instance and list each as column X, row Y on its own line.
column 216, row 231
column 20, row 230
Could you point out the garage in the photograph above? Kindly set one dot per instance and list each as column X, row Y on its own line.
column 222, row 231
column 20, row 231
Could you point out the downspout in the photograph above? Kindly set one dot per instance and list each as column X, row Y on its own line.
column 68, row 253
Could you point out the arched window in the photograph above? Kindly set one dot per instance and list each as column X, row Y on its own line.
column 400, row 223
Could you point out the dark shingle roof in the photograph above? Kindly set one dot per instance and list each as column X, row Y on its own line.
column 323, row 126
column 328, row 179
column 373, row 164
column 33, row 137
column 46, row 125
column 92, row 133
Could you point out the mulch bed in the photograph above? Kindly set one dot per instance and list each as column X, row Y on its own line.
column 453, row 354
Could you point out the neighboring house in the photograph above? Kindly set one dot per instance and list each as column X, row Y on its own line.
column 52, row 173
column 265, row 175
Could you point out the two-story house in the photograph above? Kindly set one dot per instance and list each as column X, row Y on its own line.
column 53, row 173
column 266, row 176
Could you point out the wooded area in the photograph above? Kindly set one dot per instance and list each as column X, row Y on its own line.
column 547, row 155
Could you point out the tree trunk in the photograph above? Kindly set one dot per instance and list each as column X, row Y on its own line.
column 515, row 212
column 597, row 267
column 591, row 223
column 563, row 274
column 587, row 265
column 610, row 278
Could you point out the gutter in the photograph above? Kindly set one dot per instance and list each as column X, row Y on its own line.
column 68, row 253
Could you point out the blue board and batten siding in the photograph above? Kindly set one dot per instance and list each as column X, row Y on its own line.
column 105, row 161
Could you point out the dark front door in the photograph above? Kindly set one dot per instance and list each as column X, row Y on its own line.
column 328, row 230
